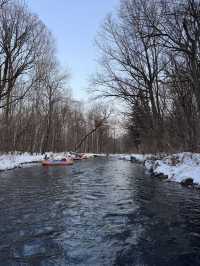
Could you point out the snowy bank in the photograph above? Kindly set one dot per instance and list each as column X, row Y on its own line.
column 140, row 158
column 11, row 161
column 181, row 167
column 177, row 167
column 16, row 159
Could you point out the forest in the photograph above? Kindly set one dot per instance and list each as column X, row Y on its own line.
column 149, row 62
column 37, row 111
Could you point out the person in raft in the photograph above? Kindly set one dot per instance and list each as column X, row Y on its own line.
column 46, row 157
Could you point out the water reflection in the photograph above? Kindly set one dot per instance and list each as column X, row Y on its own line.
column 97, row 212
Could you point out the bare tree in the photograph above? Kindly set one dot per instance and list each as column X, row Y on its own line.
column 23, row 41
column 133, row 65
column 179, row 31
column 53, row 84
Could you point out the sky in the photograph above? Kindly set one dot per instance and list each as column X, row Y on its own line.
column 74, row 24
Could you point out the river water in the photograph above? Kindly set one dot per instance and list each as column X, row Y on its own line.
column 97, row 212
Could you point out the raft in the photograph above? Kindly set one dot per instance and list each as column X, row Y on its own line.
column 57, row 162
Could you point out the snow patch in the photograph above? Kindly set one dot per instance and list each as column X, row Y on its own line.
column 16, row 159
column 11, row 161
column 178, row 167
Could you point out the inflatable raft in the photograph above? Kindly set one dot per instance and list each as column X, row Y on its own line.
column 57, row 162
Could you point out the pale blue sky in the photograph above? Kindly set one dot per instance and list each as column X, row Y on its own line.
column 74, row 24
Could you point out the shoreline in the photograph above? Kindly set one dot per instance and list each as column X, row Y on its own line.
column 183, row 168
column 15, row 160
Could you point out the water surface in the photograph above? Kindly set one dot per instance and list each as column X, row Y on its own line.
column 97, row 212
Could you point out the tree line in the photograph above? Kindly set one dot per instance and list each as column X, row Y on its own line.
column 37, row 112
column 150, row 60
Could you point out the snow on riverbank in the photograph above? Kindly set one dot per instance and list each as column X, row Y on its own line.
column 138, row 157
column 10, row 161
column 14, row 160
column 178, row 167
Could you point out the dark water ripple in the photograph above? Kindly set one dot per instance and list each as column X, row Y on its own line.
column 96, row 213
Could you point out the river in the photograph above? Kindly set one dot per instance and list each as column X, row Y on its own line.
column 95, row 213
